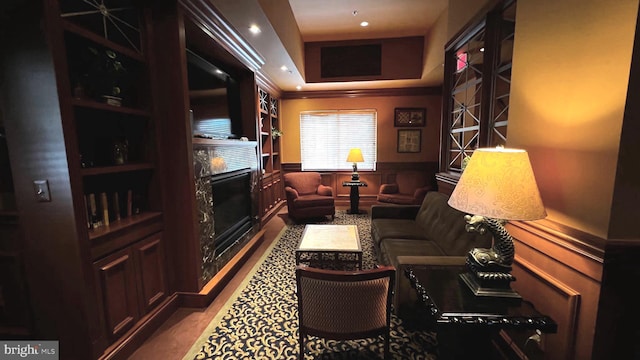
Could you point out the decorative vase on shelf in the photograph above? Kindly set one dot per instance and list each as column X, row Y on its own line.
column 275, row 133
column 106, row 75
column 120, row 152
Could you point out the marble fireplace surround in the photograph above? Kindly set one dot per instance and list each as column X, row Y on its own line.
column 212, row 159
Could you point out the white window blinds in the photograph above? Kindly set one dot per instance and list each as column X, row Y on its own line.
column 327, row 136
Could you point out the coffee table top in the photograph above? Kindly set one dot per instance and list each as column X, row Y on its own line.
column 330, row 238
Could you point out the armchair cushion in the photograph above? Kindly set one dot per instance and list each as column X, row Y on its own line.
column 325, row 190
column 388, row 188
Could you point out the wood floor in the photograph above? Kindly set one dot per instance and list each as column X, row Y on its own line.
column 176, row 336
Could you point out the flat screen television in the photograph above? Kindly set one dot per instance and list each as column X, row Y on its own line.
column 214, row 98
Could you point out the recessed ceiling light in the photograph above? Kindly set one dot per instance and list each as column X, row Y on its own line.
column 254, row 29
column 219, row 71
column 299, row 87
column 284, row 68
column 364, row 24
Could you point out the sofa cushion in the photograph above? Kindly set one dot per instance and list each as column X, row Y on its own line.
column 395, row 228
column 390, row 249
column 313, row 201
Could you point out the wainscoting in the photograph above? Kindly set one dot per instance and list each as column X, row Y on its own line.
column 561, row 274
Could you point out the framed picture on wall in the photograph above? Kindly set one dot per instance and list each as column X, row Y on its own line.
column 410, row 117
column 409, row 141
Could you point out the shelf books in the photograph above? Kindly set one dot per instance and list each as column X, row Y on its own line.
column 104, row 208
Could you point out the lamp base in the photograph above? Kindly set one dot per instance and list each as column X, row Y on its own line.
column 486, row 288
column 355, row 177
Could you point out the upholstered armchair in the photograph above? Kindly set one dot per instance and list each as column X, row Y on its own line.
column 344, row 305
column 409, row 188
column 307, row 197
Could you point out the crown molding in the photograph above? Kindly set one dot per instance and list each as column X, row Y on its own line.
column 413, row 91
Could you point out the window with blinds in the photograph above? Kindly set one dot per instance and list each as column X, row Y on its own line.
column 327, row 136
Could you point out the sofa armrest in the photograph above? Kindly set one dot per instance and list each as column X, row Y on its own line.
column 421, row 192
column 394, row 211
column 324, row 190
column 388, row 188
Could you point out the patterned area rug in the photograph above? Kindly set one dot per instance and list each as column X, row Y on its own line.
column 262, row 321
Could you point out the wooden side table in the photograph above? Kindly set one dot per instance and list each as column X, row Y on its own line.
column 354, row 195
column 466, row 324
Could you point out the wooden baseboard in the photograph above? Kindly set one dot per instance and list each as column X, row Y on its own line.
column 221, row 279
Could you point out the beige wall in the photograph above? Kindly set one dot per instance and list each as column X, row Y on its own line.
column 434, row 44
column 461, row 12
column 570, row 74
column 387, row 133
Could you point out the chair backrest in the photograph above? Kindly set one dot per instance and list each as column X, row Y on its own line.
column 409, row 181
column 305, row 183
column 344, row 304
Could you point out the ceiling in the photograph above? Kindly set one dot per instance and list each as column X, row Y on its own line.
column 328, row 20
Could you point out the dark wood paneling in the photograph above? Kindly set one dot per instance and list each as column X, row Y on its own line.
column 554, row 299
column 57, row 263
column 560, row 277
column 176, row 167
column 14, row 302
column 117, row 290
column 150, row 268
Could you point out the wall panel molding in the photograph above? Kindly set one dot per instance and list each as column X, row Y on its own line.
column 553, row 298
column 561, row 274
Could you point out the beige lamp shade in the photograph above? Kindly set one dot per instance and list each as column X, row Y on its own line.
column 499, row 183
column 355, row 155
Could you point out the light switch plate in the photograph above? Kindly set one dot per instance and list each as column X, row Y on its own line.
column 41, row 188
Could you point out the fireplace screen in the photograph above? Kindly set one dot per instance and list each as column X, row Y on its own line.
column 231, row 207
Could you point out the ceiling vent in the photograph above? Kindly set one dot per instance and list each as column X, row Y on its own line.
column 356, row 60
column 363, row 60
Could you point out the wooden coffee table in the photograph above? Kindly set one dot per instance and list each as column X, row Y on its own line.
column 330, row 246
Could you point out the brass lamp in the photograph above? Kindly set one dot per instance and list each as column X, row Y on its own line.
column 497, row 185
column 355, row 156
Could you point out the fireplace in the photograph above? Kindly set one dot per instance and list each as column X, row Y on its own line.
column 231, row 208
column 226, row 185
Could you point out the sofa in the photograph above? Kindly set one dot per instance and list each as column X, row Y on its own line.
column 431, row 234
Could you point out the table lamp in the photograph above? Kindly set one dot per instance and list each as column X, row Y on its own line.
column 497, row 185
column 355, row 156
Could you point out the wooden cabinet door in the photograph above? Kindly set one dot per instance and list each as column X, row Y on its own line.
column 152, row 284
column 115, row 277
